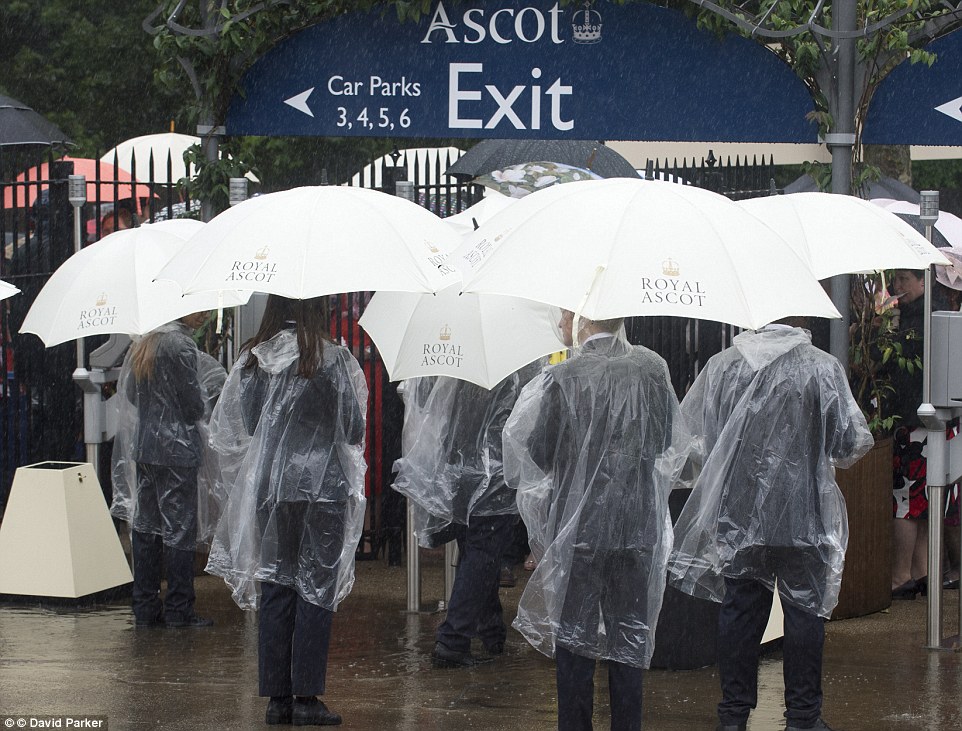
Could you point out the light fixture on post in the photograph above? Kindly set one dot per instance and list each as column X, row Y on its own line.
column 238, row 190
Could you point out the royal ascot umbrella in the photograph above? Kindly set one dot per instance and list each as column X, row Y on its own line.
column 7, row 290
column 21, row 125
column 489, row 155
column 109, row 287
column 842, row 234
column 312, row 241
column 619, row 248
column 474, row 337
column 470, row 218
column 517, row 181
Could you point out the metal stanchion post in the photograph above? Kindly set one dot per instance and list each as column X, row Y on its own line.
column 414, row 564
column 936, row 458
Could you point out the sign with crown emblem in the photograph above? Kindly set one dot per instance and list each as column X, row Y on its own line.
column 523, row 69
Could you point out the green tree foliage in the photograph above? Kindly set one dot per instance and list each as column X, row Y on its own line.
column 88, row 66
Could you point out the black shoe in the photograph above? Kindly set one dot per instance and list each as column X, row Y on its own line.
column 149, row 622
column 313, row 712
column 192, row 621
column 495, row 648
column 908, row 590
column 923, row 585
column 730, row 727
column 507, row 577
column 820, row 725
column 442, row 657
column 950, row 584
column 279, row 710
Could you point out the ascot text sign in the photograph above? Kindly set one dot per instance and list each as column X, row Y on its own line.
column 530, row 69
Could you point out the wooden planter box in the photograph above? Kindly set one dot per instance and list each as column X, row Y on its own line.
column 867, row 579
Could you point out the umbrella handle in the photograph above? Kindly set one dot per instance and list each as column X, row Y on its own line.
column 581, row 307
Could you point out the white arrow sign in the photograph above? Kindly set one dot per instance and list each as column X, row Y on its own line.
column 952, row 108
column 299, row 102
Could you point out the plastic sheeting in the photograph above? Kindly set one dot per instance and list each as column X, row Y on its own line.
column 154, row 425
column 592, row 447
column 451, row 464
column 292, row 456
column 773, row 414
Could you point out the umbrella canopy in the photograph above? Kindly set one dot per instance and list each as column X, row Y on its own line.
column 22, row 196
column 842, row 234
column 517, row 181
column 469, row 219
column 948, row 224
column 489, row 155
column 163, row 147
column 317, row 240
column 883, row 188
column 20, row 125
column 7, row 290
column 108, row 287
column 475, row 337
column 617, row 248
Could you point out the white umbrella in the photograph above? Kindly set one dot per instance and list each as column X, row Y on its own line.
column 312, row 241
column 108, row 287
column 842, row 234
column 162, row 146
column 7, row 290
column 948, row 224
column 469, row 219
column 477, row 338
column 621, row 247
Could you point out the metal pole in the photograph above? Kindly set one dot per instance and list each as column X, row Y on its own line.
column 77, row 195
column 414, row 564
column 841, row 144
column 936, row 457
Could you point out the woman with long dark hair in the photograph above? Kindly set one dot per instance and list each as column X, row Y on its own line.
column 289, row 430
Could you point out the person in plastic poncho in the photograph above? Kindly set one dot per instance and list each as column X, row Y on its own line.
column 451, row 470
column 771, row 416
column 163, row 388
column 592, row 447
column 289, row 432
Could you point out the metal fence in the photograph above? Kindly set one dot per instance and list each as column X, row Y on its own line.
column 40, row 407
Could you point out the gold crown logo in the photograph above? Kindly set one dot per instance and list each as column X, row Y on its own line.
column 102, row 299
column 670, row 268
column 262, row 253
column 434, row 249
column 586, row 26
column 445, row 333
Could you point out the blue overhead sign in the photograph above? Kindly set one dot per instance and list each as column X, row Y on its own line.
column 920, row 105
column 529, row 69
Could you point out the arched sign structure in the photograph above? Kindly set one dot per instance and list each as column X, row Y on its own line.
column 920, row 105
column 528, row 69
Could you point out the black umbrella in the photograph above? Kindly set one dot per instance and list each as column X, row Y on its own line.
column 20, row 125
column 489, row 155
column 938, row 239
column 883, row 188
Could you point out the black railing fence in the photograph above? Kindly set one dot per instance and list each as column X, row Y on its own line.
column 40, row 406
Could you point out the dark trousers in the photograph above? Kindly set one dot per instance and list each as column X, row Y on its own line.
column 292, row 641
column 576, row 690
column 475, row 608
column 741, row 624
column 148, row 550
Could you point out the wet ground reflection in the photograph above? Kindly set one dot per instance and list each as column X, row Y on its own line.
column 61, row 660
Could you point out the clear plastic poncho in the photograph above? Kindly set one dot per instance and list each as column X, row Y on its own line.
column 292, row 457
column 772, row 415
column 592, row 446
column 209, row 376
column 451, row 464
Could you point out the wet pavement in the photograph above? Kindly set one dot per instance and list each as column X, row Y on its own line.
column 59, row 661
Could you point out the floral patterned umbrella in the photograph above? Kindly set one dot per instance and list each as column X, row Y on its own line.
column 518, row 181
